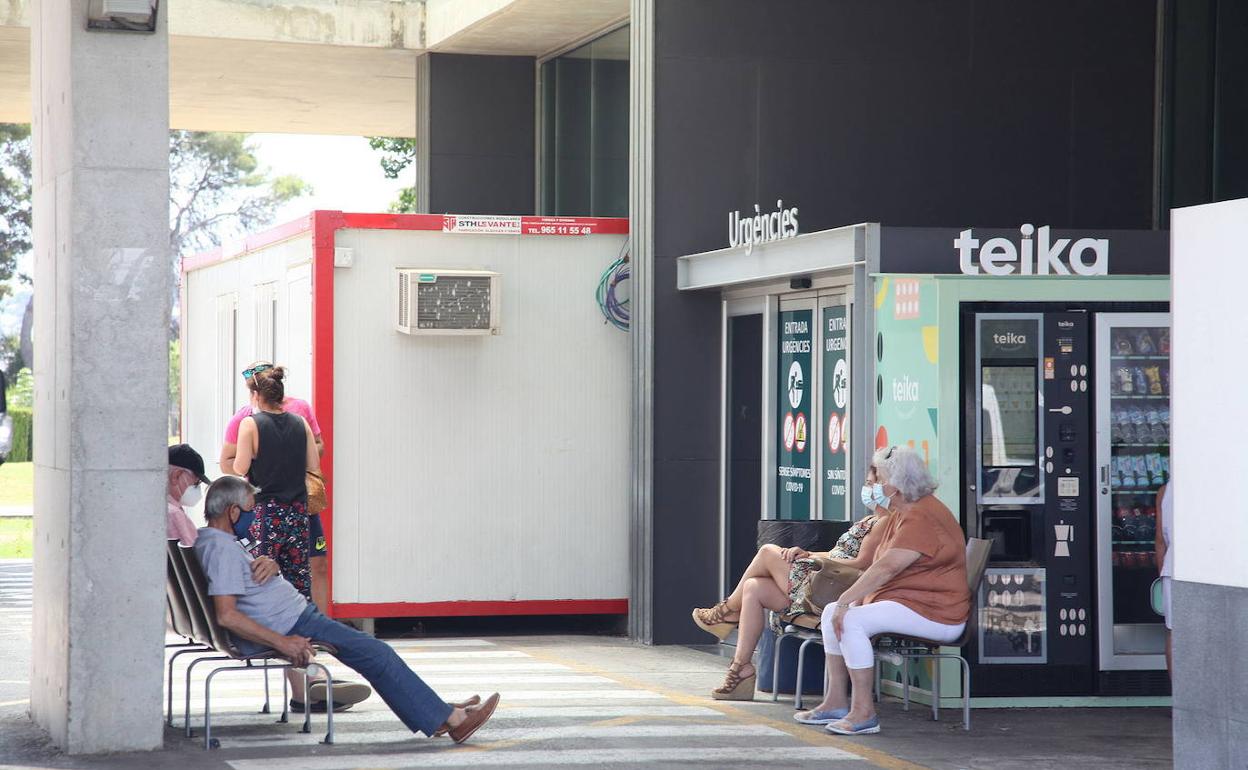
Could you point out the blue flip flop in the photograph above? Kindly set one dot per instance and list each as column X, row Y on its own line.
column 872, row 725
column 820, row 717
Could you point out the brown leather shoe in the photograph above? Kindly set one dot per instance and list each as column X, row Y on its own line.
column 475, row 717
column 463, row 704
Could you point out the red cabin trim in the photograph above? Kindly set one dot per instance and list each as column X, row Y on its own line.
column 482, row 608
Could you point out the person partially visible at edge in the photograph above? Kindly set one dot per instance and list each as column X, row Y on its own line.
column 1163, row 553
column 186, row 476
column 275, row 451
column 272, row 615
column 182, row 491
column 769, row 582
column 916, row 586
column 317, row 546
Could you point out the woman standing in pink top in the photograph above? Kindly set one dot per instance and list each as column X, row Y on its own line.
column 317, row 548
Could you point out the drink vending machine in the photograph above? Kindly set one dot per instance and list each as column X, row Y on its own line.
column 1066, row 439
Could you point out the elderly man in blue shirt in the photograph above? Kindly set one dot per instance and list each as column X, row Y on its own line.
column 274, row 615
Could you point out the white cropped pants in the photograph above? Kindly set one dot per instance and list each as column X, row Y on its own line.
column 862, row 623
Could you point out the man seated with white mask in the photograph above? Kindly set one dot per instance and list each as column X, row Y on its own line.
column 185, row 490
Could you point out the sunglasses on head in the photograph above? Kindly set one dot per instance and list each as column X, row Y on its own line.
column 253, row 371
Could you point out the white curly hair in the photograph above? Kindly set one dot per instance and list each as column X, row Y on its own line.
column 902, row 467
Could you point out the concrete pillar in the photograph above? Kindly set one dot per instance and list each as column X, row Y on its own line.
column 102, row 272
column 641, row 227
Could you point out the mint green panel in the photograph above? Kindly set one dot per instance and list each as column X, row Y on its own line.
column 907, row 365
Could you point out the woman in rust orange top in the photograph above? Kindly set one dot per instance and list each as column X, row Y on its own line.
column 916, row 586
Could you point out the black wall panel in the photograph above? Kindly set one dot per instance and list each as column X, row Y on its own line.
column 481, row 134
column 906, row 112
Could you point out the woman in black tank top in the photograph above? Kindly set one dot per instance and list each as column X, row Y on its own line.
column 276, row 449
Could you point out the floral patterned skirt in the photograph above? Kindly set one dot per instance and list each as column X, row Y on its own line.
column 280, row 531
column 799, row 586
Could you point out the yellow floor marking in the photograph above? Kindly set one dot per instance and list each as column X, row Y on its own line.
column 14, row 702
column 803, row 733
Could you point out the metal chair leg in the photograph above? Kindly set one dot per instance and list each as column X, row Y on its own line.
column 775, row 668
column 877, row 679
column 208, row 740
column 905, row 682
column 307, row 706
column 189, row 670
column 801, row 665
column 285, row 702
column 329, row 700
column 169, row 686
column 266, row 709
column 936, row 689
column 966, row 693
column 799, row 698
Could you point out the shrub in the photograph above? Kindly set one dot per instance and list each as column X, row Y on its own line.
column 23, row 435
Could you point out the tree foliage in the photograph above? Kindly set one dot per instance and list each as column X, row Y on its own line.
column 397, row 154
column 218, row 189
column 14, row 199
column 11, row 361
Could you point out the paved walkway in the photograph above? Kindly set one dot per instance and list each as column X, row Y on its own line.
column 598, row 702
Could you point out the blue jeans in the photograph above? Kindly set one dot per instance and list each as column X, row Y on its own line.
column 412, row 701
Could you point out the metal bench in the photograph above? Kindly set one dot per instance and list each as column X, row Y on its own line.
column 901, row 649
column 192, row 587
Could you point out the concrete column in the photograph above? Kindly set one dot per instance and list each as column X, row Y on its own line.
column 101, row 241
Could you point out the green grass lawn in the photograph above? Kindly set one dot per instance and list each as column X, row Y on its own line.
column 17, row 484
column 16, row 537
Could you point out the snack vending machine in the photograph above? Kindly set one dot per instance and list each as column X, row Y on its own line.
column 1065, row 444
column 1133, row 461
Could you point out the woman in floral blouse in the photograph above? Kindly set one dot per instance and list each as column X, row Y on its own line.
column 776, row 580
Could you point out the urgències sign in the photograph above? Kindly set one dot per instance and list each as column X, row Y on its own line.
column 1036, row 253
column 760, row 228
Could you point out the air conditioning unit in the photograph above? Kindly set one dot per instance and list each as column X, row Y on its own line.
column 448, row 301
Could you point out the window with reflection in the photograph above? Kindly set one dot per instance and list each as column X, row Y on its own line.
column 584, row 95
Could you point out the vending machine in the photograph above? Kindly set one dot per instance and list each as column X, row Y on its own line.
column 1133, row 461
column 1065, row 443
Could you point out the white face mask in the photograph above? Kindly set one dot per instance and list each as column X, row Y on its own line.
column 191, row 497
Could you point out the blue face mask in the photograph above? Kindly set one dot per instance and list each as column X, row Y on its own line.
column 878, row 497
column 243, row 525
column 867, row 499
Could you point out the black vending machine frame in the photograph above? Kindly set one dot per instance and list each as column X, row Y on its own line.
column 1071, row 667
column 1065, row 449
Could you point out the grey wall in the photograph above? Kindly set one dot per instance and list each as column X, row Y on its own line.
column 897, row 111
column 481, row 134
column 1210, row 679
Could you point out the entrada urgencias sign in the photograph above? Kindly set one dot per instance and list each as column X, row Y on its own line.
column 1038, row 256
column 761, row 228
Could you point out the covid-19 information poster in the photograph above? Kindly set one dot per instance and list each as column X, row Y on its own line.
column 834, row 403
column 793, row 452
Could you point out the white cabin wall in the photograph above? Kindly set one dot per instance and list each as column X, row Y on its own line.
column 480, row 468
column 203, row 427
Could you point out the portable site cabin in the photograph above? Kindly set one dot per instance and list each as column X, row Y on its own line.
column 473, row 403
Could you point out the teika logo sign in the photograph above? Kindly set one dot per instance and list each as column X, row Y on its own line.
column 1040, row 255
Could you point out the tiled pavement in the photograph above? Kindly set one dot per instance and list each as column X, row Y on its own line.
column 601, row 702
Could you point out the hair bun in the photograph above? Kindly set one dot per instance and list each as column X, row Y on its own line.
column 278, row 373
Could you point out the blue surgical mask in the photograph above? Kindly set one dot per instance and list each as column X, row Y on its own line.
column 867, row 500
column 242, row 527
column 878, row 497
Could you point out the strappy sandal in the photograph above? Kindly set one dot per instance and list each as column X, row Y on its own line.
column 711, row 620
column 735, row 686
